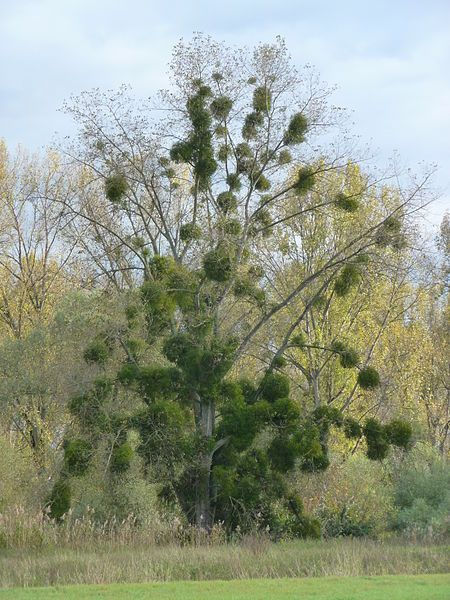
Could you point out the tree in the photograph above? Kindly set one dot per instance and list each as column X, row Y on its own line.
column 41, row 372
column 37, row 263
column 195, row 198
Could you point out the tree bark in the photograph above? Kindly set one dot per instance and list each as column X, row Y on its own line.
column 203, row 512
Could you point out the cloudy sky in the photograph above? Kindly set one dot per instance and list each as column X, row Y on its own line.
column 390, row 60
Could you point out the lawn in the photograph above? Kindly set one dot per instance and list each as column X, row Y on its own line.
column 403, row 587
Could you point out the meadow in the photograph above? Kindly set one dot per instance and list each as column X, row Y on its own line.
column 254, row 557
column 424, row 587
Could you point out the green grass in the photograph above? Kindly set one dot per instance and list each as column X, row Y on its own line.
column 419, row 587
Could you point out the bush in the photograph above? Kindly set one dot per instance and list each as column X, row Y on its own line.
column 339, row 523
column 17, row 475
column 352, row 498
column 422, row 497
column 77, row 455
column 60, row 499
column 121, row 458
column 97, row 352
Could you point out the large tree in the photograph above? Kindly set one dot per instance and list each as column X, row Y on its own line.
column 183, row 199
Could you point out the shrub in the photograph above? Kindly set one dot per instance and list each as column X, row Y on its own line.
column 121, row 458
column 77, row 455
column 97, row 352
column 60, row 499
column 422, row 496
column 17, row 475
column 352, row 498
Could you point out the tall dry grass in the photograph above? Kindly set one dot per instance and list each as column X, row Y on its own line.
column 35, row 551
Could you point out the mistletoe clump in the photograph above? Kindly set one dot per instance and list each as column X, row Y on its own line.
column 349, row 276
column 197, row 149
column 159, row 305
column 246, row 288
column 379, row 437
column 218, row 264
column 227, row 201
column 98, row 352
column 298, row 340
column 190, row 232
column 346, row 202
column 262, row 184
column 116, row 187
column 221, row 107
column 304, row 181
column 296, row 130
column 399, row 433
column 245, row 158
column 352, row 429
column 285, row 157
column 348, row 357
column 262, row 99
column 368, row 378
column 234, row 182
column 389, row 233
column 376, row 438
column 252, row 122
column 231, row 227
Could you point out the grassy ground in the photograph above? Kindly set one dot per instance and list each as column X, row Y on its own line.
column 252, row 559
column 420, row 587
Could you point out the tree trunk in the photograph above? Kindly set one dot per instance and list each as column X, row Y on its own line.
column 203, row 512
column 316, row 389
column 205, row 425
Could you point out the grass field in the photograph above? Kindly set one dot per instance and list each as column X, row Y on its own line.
column 254, row 559
column 419, row 587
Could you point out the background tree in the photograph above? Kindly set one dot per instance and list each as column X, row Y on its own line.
column 37, row 260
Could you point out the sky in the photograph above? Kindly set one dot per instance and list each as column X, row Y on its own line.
column 389, row 59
